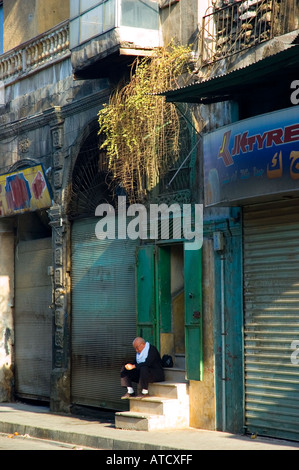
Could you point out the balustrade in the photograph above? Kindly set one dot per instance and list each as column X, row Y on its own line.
column 46, row 48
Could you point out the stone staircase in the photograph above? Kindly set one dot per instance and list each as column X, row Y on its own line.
column 167, row 407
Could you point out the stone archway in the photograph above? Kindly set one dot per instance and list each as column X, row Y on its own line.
column 90, row 179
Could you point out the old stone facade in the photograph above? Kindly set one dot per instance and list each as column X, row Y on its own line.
column 44, row 120
column 54, row 85
column 48, row 115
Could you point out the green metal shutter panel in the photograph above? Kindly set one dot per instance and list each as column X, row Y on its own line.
column 193, row 313
column 271, row 296
column 103, row 315
column 146, row 303
column 33, row 318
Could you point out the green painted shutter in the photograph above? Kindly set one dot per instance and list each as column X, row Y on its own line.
column 193, row 313
column 103, row 314
column 146, row 298
column 271, row 322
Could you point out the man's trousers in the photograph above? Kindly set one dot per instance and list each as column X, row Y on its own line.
column 142, row 376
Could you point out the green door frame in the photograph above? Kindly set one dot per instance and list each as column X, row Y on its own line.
column 193, row 313
column 154, row 301
column 147, row 322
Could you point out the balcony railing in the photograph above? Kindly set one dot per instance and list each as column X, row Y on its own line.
column 42, row 50
column 245, row 23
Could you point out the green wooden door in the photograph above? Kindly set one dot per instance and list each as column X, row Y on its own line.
column 193, row 313
column 146, row 294
column 153, row 293
column 153, row 301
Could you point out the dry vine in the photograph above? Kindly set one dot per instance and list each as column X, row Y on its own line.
column 142, row 129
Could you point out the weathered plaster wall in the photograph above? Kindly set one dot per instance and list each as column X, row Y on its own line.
column 6, row 310
column 202, row 394
column 24, row 20
column 44, row 120
column 25, row 120
column 180, row 22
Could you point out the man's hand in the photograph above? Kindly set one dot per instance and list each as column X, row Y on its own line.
column 130, row 366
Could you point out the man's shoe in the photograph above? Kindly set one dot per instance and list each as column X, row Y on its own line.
column 127, row 395
column 142, row 395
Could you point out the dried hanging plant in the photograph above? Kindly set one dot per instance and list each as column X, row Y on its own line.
column 141, row 129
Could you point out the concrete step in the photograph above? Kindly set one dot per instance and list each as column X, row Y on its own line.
column 169, row 389
column 141, row 421
column 179, row 361
column 154, row 405
column 138, row 421
column 175, row 374
column 167, row 406
column 149, row 422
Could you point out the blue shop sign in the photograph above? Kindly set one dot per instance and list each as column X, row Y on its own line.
column 253, row 158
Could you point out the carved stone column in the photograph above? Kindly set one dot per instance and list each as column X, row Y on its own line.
column 60, row 380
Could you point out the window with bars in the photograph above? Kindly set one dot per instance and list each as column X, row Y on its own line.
column 236, row 25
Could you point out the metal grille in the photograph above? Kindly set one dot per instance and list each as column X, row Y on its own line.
column 271, row 295
column 103, row 315
column 90, row 179
column 244, row 24
column 175, row 180
column 33, row 318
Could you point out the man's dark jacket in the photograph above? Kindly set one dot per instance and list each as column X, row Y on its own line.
column 154, row 362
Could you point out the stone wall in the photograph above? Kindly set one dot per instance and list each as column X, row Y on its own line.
column 6, row 309
column 45, row 119
column 180, row 21
column 23, row 20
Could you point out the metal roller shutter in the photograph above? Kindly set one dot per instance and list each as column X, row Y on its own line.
column 33, row 318
column 271, row 301
column 103, row 315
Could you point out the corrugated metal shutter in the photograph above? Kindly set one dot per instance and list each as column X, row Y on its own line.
column 33, row 318
column 271, row 295
column 103, row 315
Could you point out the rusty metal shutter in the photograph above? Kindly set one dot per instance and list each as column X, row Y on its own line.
column 33, row 318
column 271, row 301
column 103, row 315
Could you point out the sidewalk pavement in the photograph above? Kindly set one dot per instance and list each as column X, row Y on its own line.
column 100, row 433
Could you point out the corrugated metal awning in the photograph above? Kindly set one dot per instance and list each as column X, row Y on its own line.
column 277, row 67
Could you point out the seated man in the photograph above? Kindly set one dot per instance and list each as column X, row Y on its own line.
column 147, row 368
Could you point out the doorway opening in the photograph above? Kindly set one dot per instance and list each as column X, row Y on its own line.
column 177, row 303
column 169, row 302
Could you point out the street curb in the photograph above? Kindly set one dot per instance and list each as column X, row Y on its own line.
column 95, row 442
